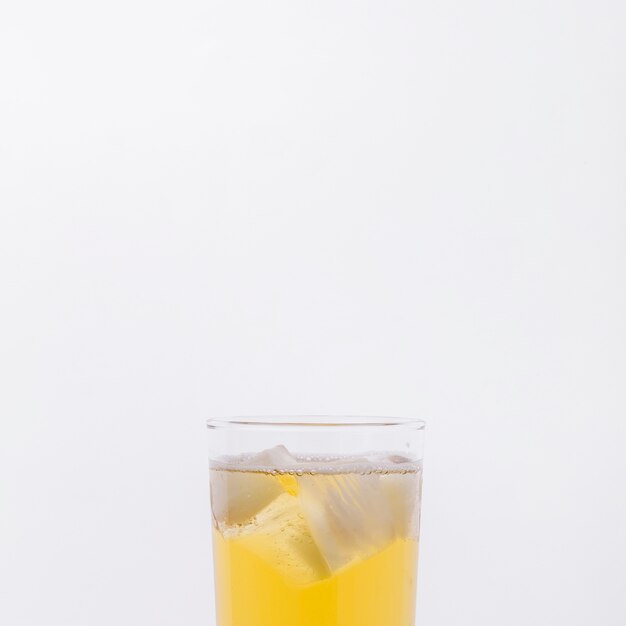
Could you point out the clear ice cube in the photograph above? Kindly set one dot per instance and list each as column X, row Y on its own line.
column 281, row 537
column 401, row 493
column 237, row 496
column 276, row 458
column 346, row 514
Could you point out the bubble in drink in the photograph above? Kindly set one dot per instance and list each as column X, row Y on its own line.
column 315, row 541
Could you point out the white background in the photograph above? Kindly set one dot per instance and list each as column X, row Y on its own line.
column 224, row 207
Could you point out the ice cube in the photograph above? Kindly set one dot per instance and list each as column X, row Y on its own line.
column 276, row 458
column 280, row 536
column 402, row 496
column 346, row 514
column 238, row 494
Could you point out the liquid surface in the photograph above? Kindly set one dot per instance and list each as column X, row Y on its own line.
column 315, row 542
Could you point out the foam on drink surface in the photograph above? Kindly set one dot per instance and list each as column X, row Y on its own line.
column 280, row 460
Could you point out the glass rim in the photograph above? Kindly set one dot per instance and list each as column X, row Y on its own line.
column 312, row 421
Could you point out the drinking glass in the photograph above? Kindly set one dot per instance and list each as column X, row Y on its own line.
column 315, row 520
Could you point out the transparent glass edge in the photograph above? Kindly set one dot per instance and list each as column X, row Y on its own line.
column 313, row 422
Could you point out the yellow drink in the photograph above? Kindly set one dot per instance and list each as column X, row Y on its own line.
column 324, row 544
